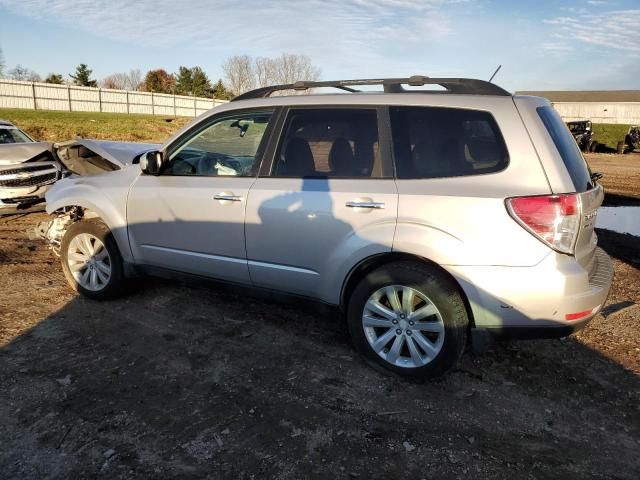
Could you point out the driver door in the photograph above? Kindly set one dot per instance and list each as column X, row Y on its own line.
column 190, row 218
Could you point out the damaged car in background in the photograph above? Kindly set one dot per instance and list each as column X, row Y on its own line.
column 27, row 169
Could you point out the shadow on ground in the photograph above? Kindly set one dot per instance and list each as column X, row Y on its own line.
column 189, row 383
column 183, row 382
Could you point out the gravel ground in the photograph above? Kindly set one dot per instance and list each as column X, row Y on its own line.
column 621, row 174
column 196, row 382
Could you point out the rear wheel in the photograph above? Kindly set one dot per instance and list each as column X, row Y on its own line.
column 91, row 261
column 408, row 318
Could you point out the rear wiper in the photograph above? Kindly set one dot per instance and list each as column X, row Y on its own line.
column 595, row 176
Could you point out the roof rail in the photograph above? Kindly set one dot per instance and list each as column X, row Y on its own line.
column 466, row 86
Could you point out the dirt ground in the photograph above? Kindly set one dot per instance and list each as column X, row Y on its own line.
column 621, row 173
column 196, row 382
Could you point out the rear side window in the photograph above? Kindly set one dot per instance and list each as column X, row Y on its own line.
column 329, row 142
column 567, row 148
column 433, row 142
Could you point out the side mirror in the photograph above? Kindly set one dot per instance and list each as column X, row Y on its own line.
column 151, row 163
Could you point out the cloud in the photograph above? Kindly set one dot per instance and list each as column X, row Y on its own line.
column 615, row 30
column 244, row 24
column 556, row 48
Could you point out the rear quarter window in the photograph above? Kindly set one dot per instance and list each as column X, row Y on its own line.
column 567, row 148
column 434, row 142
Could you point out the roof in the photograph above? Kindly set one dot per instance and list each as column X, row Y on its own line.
column 586, row 95
column 6, row 123
column 462, row 86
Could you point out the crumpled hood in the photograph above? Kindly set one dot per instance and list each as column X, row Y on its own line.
column 13, row 153
column 120, row 154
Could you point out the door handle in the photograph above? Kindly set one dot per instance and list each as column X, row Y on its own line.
column 364, row 204
column 229, row 197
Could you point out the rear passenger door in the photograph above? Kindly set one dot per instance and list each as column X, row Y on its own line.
column 327, row 201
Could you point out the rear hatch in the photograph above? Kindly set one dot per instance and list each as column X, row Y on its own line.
column 590, row 193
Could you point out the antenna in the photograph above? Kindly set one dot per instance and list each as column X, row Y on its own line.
column 495, row 73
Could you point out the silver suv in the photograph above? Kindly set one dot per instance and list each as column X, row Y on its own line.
column 426, row 216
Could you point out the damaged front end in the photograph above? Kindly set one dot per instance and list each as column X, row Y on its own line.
column 53, row 229
column 92, row 169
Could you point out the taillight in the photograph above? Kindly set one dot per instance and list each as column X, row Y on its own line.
column 554, row 219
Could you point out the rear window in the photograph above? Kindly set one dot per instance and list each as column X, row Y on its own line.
column 432, row 142
column 567, row 148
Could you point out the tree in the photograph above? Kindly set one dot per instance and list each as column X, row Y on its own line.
column 200, row 84
column 158, row 81
column 82, row 76
column 239, row 73
column 123, row 80
column 183, row 81
column 220, row 91
column 54, row 78
column 291, row 68
column 115, row 81
column 193, row 81
column 134, row 79
column 23, row 74
column 242, row 73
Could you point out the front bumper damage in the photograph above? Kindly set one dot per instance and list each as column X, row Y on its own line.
column 23, row 185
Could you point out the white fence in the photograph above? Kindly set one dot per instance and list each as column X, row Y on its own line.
column 70, row 98
column 600, row 112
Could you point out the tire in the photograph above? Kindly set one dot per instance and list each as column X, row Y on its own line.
column 445, row 329
column 593, row 146
column 620, row 147
column 105, row 255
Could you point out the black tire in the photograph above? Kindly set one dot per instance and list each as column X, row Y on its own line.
column 114, row 287
column 620, row 147
column 441, row 291
column 593, row 146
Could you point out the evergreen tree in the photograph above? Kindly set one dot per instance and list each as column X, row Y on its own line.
column 200, row 84
column 193, row 81
column 54, row 78
column 184, row 82
column 82, row 76
column 221, row 92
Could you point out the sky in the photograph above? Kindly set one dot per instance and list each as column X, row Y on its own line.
column 541, row 45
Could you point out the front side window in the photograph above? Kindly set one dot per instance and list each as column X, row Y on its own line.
column 227, row 147
column 434, row 142
column 329, row 142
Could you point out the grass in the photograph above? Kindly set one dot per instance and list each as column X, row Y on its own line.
column 609, row 134
column 54, row 126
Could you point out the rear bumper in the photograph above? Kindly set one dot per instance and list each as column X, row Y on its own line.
column 552, row 299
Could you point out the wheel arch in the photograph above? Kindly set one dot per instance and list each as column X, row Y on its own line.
column 373, row 262
column 89, row 201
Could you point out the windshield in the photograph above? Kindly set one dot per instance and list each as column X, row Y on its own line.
column 13, row 135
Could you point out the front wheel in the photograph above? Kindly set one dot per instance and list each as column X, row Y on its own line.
column 91, row 261
column 410, row 319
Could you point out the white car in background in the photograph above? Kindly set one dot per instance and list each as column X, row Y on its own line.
column 27, row 169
